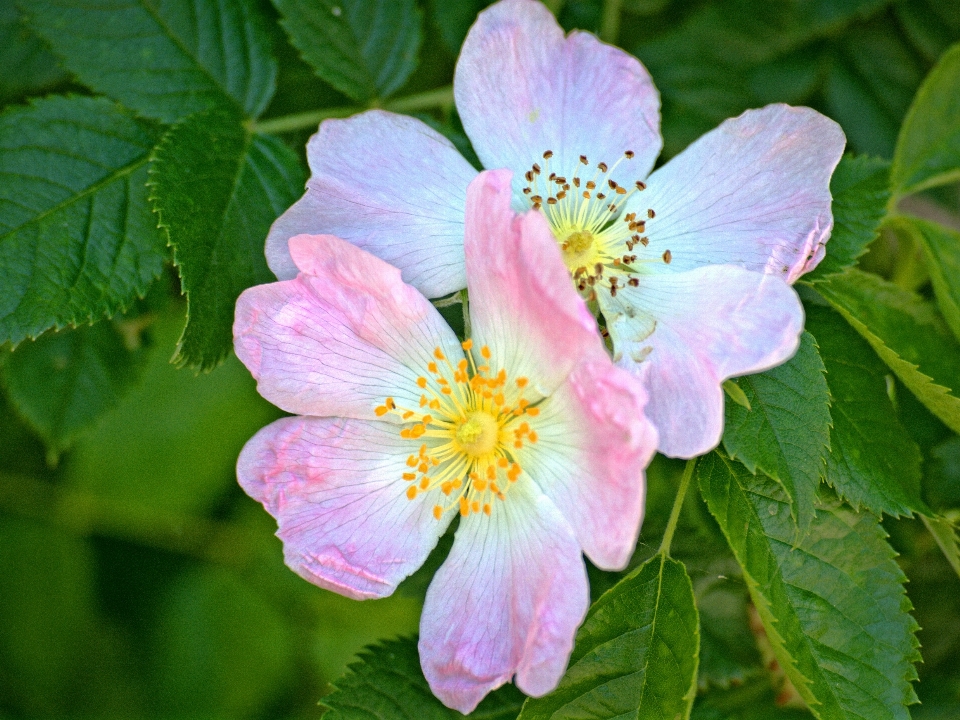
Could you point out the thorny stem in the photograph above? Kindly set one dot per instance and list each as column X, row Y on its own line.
column 677, row 504
column 610, row 21
column 439, row 98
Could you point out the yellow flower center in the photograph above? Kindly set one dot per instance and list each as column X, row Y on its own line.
column 586, row 216
column 469, row 424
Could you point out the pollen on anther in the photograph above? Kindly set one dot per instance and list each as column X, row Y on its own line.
column 467, row 344
column 485, row 351
column 438, row 354
column 437, row 512
column 522, row 382
column 411, row 492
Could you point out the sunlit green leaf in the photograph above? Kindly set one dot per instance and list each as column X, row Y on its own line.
column 907, row 334
column 364, row 49
column 77, row 237
column 636, row 653
column 217, row 189
column 833, row 606
column 873, row 463
column 860, row 189
column 786, row 433
column 928, row 148
column 64, row 381
column 388, row 684
column 163, row 58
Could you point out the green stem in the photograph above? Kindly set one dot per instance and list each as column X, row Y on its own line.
column 439, row 98
column 610, row 21
column 677, row 504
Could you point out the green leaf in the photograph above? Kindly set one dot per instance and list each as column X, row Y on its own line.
column 941, row 245
column 454, row 19
column 945, row 533
column 26, row 66
column 873, row 463
column 787, row 433
column 928, row 148
column 77, row 238
column 908, row 335
column 388, row 684
column 365, row 49
column 636, row 653
column 833, row 606
column 860, row 192
column 163, row 58
column 63, row 382
column 219, row 648
column 217, row 189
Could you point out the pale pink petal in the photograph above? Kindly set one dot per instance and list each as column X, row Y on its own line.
column 335, row 487
column 755, row 192
column 522, row 303
column 342, row 337
column 594, row 443
column 507, row 600
column 523, row 88
column 391, row 185
column 708, row 324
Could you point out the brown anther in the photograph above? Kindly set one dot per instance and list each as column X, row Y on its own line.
column 601, row 196
column 667, row 256
column 651, row 214
column 612, row 184
column 604, row 332
column 548, row 154
column 641, row 185
column 586, row 195
column 630, row 244
column 583, row 159
column 602, row 167
column 536, row 169
column 612, row 207
column 529, row 175
column 614, row 280
column 561, row 195
column 591, row 280
column 629, row 154
column 613, row 291
column 591, row 185
column 576, row 182
column 536, row 198
column 537, row 206
column 621, row 190
column 553, row 176
column 616, row 261
column 579, row 271
column 633, row 282
column 629, row 217
column 566, row 185
column 551, row 201
column 598, row 269
column 644, row 241
column 527, row 191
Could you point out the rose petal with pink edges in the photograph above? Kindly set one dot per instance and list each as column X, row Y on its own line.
column 507, row 600
column 342, row 337
column 522, row 88
column 391, row 185
column 708, row 324
column 754, row 192
column 336, row 490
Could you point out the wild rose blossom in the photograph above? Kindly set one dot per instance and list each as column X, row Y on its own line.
column 689, row 266
column 527, row 431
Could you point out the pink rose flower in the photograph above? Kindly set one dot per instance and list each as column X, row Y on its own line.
column 690, row 266
column 526, row 431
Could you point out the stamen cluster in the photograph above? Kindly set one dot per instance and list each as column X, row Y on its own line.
column 587, row 219
column 470, row 422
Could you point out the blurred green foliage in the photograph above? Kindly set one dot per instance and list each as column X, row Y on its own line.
column 138, row 581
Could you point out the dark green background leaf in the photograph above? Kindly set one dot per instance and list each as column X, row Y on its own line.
column 907, row 334
column 64, row 381
column 928, row 148
column 860, row 189
column 163, row 58
column 217, row 189
column 833, row 606
column 388, row 684
column 636, row 653
column 364, row 48
column 786, row 433
column 26, row 66
column 77, row 238
column 941, row 246
column 873, row 463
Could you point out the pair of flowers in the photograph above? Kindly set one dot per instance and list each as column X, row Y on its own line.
column 528, row 431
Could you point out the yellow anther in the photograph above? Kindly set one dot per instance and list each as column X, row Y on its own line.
column 408, row 414
column 522, row 382
column 390, row 403
column 533, row 412
column 409, row 476
column 438, row 354
column 437, row 512
column 499, row 399
column 422, row 382
column 423, row 400
column 411, row 492
column 475, row 506
column 446, row 391
column 502, row 462
column 491, row 472
column 381, row 410
column 424, row 483
column 423, row 467
column 480, row 485
column 432, row 367
column 532, row 437
column 485, row 351
column 434, row 404
column 412, row 461
column 446, row 487
column 464, row 507
column 467, row 344
column 486, row 508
